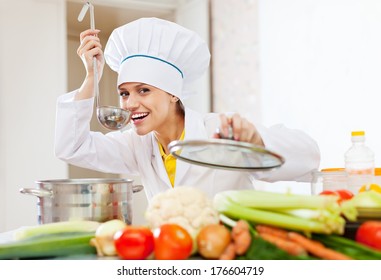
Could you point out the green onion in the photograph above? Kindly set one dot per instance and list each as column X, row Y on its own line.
column 349, row 247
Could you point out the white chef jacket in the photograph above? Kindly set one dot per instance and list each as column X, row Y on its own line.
column 125, row 152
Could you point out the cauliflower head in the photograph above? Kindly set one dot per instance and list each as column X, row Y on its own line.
column 188, row 207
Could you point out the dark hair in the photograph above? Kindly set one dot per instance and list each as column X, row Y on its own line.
column 180, row 108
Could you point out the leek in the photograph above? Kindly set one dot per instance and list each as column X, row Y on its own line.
column 49, row 246
column 55, row 228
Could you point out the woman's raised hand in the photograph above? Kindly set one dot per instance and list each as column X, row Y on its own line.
column 89, row 48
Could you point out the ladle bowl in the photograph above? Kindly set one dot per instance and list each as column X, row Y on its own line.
column 113, row 118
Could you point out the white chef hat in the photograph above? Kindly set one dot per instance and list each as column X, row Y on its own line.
column 159, row 53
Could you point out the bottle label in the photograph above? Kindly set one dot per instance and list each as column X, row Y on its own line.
column 355, row 182
column 368, row 171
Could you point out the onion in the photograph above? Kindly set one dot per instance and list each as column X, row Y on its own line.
column 212, row 241
column 104, row 237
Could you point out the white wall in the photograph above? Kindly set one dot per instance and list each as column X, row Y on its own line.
column 320, row 64
column 235, row 58
column 194, row 15
column 311, row 65
column 2, row 132
column 32, row 75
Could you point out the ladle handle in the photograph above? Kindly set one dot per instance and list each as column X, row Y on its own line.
column 96, row 86
column 95, row 66
column 92, row 18
column 223, row 136
column 230, row 135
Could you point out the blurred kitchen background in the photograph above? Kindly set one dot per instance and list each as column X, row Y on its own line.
column 313, row 65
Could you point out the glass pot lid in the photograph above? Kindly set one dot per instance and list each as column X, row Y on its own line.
column 225, row 154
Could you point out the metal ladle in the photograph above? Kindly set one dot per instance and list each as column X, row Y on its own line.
column 111, row 117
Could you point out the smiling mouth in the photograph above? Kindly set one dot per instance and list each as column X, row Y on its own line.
column 138, row 117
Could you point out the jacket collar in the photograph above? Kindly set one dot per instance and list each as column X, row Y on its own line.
column 157, row 161
column 194, row 129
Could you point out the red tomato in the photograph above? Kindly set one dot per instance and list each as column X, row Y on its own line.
column 134, row 242
column 172, row 242
column 369, row 233
column 343, row 194
column 327, row 192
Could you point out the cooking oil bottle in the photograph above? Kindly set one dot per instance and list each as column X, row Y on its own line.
column 359, row 162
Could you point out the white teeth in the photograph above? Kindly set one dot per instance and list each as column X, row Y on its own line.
column 140, row 115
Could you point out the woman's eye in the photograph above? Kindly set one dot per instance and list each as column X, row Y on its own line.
column 143, row 90
column 124, row 94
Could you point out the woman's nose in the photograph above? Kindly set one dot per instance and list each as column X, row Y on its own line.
column 130, row 104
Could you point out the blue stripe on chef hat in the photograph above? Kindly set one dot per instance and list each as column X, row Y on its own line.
column 159, row 53
column 148, row 56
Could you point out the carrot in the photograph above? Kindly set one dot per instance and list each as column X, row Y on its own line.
column 281, row 233
column 290, row 247
column 241, row 237
column 229, row 252
column 316, row 248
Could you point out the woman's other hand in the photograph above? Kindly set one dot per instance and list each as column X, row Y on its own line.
column 242, row 129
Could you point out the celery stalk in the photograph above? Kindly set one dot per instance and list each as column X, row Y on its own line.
column 229, row 205
column 349, row 209
column 320, row 215
column 270, row 200
column 314, row 214
column 286, row 202
column 371, row 199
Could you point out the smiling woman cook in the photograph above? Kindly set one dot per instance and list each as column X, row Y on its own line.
column 157, row 61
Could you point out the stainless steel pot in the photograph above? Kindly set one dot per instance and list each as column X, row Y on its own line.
column 84, row 199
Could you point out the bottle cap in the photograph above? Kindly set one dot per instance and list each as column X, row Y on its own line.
column 358, row 133
column 377, row 171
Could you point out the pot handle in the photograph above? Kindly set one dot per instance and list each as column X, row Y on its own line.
column 36, row 192
column 137, row 188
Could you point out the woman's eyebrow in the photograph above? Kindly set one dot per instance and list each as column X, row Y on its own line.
column 121, row 87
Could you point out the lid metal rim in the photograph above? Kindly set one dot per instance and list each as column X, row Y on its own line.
column 174, row 146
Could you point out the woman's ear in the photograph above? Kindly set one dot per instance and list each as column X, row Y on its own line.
column 174, row 98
